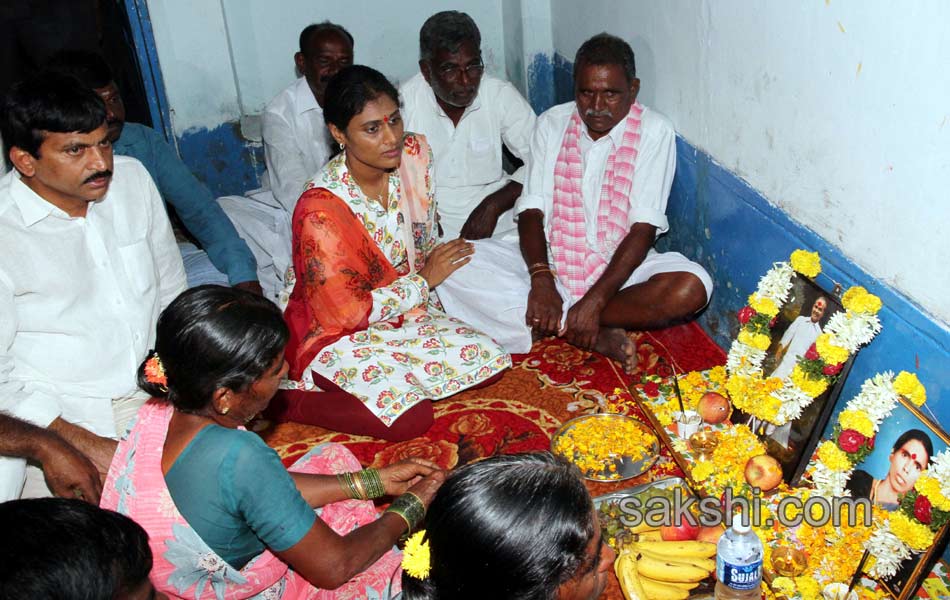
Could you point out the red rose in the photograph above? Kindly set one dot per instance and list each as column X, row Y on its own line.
column 745, row 313
column 850, row 441
column 651, row 389
column 871, row 442
column 812, row 353
column 831, row 370
column 922, row 510
column 773, row 321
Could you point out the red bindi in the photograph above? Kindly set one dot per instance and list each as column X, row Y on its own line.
column 385, row 118
column 913, row 456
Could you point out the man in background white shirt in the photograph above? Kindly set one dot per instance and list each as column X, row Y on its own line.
column 466, row 116
column 87, row 262
column 620, row 156
column 296, row 146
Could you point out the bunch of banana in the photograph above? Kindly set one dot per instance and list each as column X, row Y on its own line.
column 649, row 570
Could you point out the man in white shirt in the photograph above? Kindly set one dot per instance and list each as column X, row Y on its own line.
column 87, row 262
column 296, row 139
column 801, row 334
column 467, row 116
column 296, row 146
column 599, row 176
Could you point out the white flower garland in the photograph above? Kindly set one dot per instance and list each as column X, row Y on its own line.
column 775, row 285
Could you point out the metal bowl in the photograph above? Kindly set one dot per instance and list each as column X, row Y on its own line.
column 626, row 467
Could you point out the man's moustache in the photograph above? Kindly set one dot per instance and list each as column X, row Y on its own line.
column 597, row 113
column 99, row 175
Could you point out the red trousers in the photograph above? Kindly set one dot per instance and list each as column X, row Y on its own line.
column 339, row 411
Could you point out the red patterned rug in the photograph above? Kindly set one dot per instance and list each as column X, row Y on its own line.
column 553, row 383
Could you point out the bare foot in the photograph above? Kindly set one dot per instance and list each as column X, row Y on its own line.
column 614, row 343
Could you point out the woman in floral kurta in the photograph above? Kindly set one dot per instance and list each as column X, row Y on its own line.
column 361, row 313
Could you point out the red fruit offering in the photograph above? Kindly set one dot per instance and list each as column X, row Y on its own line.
column 714, row 408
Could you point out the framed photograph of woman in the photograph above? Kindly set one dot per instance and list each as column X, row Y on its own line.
column 902, row 451
column 798, row 324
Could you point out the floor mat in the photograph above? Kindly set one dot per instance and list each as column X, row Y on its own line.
column 552, row 384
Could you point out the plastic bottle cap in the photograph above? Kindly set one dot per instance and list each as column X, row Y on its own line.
column 741, row 525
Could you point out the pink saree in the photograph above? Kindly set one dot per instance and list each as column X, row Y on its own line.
column 185, row 567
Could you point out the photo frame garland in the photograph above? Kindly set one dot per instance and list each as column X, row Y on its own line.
column 923, row 511
column 779, row 401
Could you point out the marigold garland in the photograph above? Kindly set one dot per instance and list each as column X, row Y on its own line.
column 910, row 531
column 812, row 387
column 416, row 560
column 907, row 385
column 857, row 299
column 857, row 420
column 759, row 341
column 830, row 353
column 763, row 306
column 806, row 263
column 930, row 487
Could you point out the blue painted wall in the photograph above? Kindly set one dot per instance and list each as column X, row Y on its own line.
column 226, row 162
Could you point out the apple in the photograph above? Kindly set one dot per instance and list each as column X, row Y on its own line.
column 763, row 472
column 681, row 532
column 714, row 408
column 710, row 534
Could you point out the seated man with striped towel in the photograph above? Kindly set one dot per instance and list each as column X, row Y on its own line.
column 599, row 175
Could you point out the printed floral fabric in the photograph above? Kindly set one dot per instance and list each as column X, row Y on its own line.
column 183, row 564
column 359, row 313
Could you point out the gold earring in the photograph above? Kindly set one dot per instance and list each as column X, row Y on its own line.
column 342, row 146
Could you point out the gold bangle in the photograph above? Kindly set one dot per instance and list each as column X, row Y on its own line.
column 538, row 264
column 358, row 484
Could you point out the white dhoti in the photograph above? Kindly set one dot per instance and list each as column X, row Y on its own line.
column 265, row 226
column 490, row 293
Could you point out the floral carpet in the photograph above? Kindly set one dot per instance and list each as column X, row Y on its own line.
column 544, row 388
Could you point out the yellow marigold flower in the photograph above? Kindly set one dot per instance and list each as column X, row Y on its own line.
column 857, row 299
column 907, row 385
column 929, row 486
column 783, row 585
column 857, row 420
column 702, row 470
column 415, row 556
column 594, row 444
column 812, row 387
column 717, row 375
column 756, row 340
column 695, row 379
column 830, row 352
column 808, row 587
column 763, row 306
column 912, row 532
column 806, row 263
column 833, row 457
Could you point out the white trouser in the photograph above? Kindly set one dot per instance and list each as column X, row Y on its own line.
column 18, row 479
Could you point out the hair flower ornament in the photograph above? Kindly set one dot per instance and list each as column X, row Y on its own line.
column 155, row 371
column 415, row 556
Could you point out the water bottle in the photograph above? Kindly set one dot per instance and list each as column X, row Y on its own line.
column 739, row 563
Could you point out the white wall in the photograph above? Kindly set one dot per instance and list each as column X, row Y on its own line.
column 221, row 59
column 837, row 111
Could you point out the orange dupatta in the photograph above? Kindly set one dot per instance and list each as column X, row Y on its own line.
column 338, row 265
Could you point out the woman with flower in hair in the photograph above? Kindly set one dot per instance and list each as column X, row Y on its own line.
column 509, row 527
column 909, row 458
column 225, row 518
column 363, row 316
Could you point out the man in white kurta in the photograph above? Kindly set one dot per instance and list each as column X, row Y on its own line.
column 467, row 116
column 296, row 146
column 513, row 293
column 80, row 288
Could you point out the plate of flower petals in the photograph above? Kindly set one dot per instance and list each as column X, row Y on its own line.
column 607, row 447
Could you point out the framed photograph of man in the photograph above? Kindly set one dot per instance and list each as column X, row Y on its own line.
column 798, row 324
column 902, row 451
